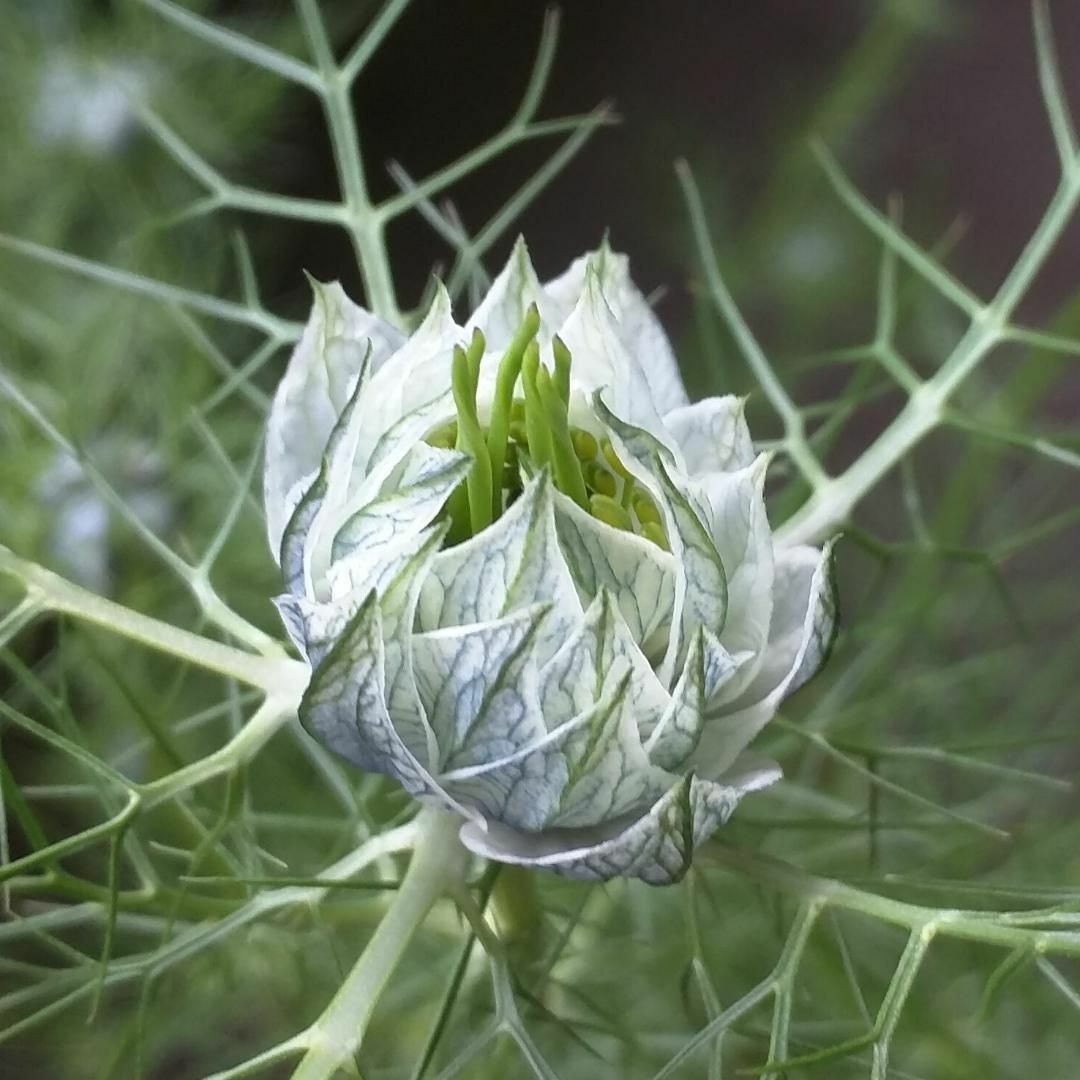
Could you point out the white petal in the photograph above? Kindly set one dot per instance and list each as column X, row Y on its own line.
column 512, row 564
column 701, row 592
column 712, row 434
column 656, row 846
column 521, row 790
column 576, row 677
column 803, row 624
column 602, row 361
column 639, row 574
column 734, row 504
column 512, row 293
column 313, row 392
column 478, row 685
column 344, row 707
column 429, row 476
column 610, row 773
column 637, row 326
column 708, row 667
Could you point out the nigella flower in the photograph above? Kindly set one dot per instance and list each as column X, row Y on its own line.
column 533, row 583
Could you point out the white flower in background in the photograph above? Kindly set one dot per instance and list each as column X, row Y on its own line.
column 534, row 584
column 86, row 104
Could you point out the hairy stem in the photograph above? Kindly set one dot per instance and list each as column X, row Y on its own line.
column 437, row 867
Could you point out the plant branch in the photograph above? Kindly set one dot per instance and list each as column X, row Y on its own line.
column 437, row 867
column 280, row 676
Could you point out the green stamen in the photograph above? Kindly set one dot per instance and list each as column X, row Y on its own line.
column 585, row 445
column 535, row 423
column 567, row 468
column 646, row 511
column 470, row 439
column 504, row 409
column 654, row 531
column 600, row 480
column 610, row 512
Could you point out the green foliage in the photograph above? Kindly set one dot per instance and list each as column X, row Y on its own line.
column 182, row 865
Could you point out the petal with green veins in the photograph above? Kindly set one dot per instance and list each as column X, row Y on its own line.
column 515, row 563
column 522, row 789
column 349, row 583
column 478, row 686
column 601, row 361
column 639, row 575
column 734, row 510
column 701, row 591
column 609, row 771
column 638, row 329
column 344, row 707
column 503, row 309
column 580, row 673
column 313, row 392
column 800, row 636
column 712, row 434
column 708, row 667
column 429, row 476
column 655, row 846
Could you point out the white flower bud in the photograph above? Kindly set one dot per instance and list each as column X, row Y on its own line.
column 533, row 583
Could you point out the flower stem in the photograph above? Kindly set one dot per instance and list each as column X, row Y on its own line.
column 437, row 867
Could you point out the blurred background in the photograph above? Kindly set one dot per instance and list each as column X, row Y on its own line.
column 957, row 583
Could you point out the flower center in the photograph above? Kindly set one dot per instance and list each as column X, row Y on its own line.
column 529, row 429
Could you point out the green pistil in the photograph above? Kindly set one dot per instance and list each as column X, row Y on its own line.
column 503, row 407
column 562, row 369
column 564, row 461
column 537, row 434
column 470, row 439
column 534, row 427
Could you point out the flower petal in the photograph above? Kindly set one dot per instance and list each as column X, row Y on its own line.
column 609, row 771
column 638, row 329
column 712, row 434
column 478, row 685
column 513, row 564
column 601, row 359
column 655, row 846
column 735, row 514
column 313, row 391
column 512, row 293
column 344, row 706
column 708, row 667
column 801, row 634
column 580, row 673
column 429, row 476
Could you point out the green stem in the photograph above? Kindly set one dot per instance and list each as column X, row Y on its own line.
column 437, row 867
column 366, row 225
column 279, row 676
column 987, row 927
